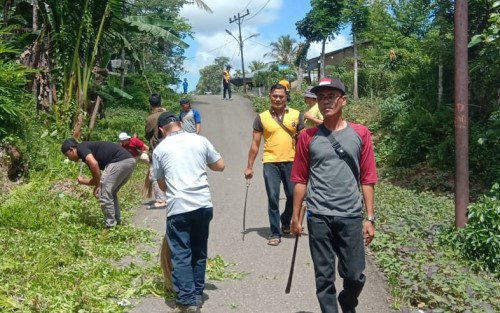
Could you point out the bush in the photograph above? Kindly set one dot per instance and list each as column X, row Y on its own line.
column 15, row 102
column 479, row 241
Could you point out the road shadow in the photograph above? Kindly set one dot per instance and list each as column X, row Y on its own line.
column 262, row 231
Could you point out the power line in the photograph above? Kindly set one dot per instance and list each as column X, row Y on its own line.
column 251, row 17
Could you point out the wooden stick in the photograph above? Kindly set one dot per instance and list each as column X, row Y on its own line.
column 292, row 265
column 245, row 210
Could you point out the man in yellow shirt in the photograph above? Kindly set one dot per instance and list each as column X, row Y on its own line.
column 278, row 126
column 226, row 84
column 313, row 116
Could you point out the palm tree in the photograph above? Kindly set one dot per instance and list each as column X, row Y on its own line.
column 256, row 65
column 284, row 50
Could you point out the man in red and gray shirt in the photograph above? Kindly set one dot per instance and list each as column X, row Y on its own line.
column 330, row 171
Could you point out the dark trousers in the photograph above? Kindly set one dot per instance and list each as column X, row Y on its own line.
column 187, row 235
column 275, row 174
column 227, row 88
column 329, row 237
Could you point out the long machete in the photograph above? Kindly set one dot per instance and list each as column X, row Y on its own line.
column 292, row 265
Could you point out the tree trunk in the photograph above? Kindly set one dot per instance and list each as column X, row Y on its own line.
column 355, row 84
column 77, row 129
column 322, row 60
column 122, row 80
column 300, row 72
column 94, row 113
column 35, row 15
column 6, row 8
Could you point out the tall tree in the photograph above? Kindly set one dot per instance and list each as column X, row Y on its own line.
column 211, row 76
column 320, row 25
column 256, row 65
column 283, row 50
column 356, row 14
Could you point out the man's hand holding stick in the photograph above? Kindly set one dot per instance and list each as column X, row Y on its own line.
column 297, row 233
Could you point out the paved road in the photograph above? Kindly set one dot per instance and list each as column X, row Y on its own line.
column 228, row 125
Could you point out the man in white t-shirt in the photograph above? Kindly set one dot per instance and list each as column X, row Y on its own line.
column 180, row 164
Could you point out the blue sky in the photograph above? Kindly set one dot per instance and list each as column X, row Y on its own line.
column 268, row 18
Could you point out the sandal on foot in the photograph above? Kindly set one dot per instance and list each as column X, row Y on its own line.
column 156, row 206
column 274, row 242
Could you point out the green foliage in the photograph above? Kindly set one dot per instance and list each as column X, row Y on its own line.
column 211, row 77
column 263, row 103
column 56, row 257
column 15, row 103
column 216, row 269
column 421, row 270
column 266, row 78
column 479, row 241
column 284, row 50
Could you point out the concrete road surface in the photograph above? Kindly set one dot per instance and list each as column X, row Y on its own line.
column 228, row 125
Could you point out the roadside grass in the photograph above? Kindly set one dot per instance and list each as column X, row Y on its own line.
column 55, row 255
column 57, row 258
column 423, row 272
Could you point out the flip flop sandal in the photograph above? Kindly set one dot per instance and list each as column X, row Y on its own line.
column 274, row 242
column 155, row 207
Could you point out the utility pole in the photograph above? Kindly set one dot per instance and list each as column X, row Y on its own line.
column 461, row 114
column 240, row 41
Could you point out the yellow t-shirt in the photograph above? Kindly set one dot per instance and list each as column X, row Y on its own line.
column 285, row 83
column 314, row 111
column 227, row 76
column 278, row 144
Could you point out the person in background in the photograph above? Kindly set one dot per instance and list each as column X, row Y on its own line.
column 279, row 127
column 286, row 83
column 185, row 86
column 332, row 162
column 151, row 134
column 133, row 145
column 180, row 164
column 116, row 164
column 190, row 118
column 226, row 84
column 312, row 116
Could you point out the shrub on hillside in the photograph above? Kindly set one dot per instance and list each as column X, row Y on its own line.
column 479, row 241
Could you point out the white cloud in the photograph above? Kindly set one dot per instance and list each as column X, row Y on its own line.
column 339, row 42
column 211, row 39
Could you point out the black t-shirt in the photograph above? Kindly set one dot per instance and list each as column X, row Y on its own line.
column 104, row 152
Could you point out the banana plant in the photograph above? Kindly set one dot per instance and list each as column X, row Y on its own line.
column 79, row 33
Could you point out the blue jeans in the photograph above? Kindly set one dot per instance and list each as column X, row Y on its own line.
column 331, row 236
column 187, row 235
column 275, row 174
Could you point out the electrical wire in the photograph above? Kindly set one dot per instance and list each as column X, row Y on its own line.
column 263, row 7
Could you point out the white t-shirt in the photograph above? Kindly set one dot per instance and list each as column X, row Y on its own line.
column 181, row 160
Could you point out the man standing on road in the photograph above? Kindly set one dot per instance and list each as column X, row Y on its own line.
column 151, row 134
column 116, row 164
column 185, row 86
column 226, row 85
column 279, row 126
column 330, row 162
column 190, row 118
column 180, row 166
